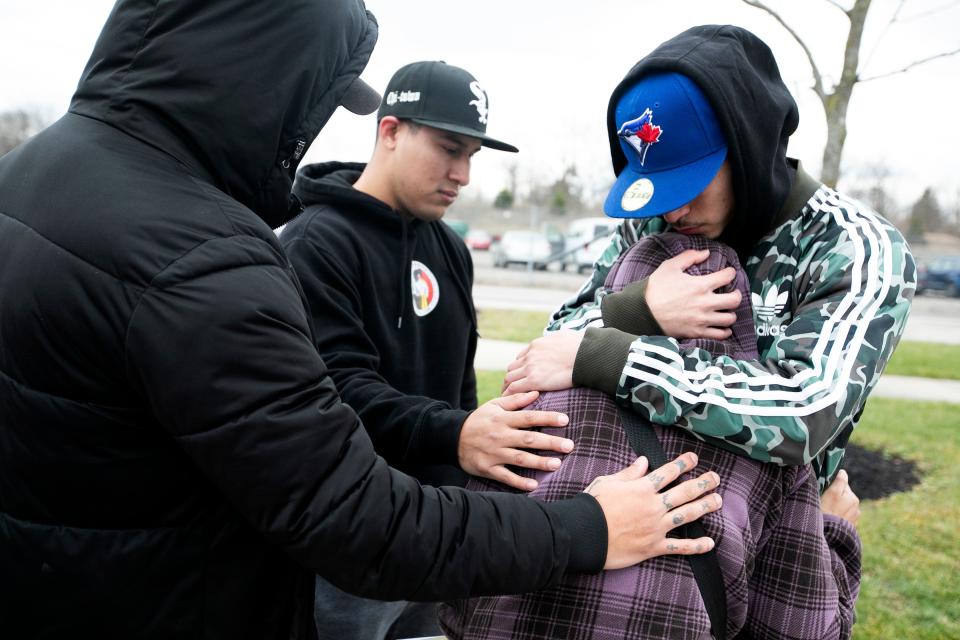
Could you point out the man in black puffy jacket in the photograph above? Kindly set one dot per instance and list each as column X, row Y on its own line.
column 174, row 460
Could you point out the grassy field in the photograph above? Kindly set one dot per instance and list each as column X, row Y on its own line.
column 911, row 541
column 923, row 359
column 516, row 326
column 926, row 359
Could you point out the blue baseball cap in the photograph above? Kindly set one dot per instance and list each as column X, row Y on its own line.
column 673, row 144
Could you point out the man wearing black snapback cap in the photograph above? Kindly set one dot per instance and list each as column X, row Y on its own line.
column 389, row 289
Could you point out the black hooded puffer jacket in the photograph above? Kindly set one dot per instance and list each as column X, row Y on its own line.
column 174, row 460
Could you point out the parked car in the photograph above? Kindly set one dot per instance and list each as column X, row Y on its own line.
column 522, row 247
column 586, row 240
column 558, row 242
column 479, row 239
column 459, row 226
column 941, row 274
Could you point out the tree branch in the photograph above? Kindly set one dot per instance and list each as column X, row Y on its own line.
column 817, row 78
column 930, row 12
column 913, row 64
column 886, row 27
column 838, row 6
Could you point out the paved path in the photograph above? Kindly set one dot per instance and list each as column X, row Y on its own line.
column 497, row 354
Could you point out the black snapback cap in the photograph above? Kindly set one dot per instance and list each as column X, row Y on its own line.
column 441, row 96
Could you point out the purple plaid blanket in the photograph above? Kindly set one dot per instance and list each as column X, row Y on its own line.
column 789, row 572
column 645, row 256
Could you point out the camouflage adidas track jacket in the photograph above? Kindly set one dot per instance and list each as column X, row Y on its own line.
column 831, row 292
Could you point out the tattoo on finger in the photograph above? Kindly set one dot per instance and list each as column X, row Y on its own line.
column 657, row 481
column 666, row 502
column 678, row 519
column 681, row 465
column 672, row 547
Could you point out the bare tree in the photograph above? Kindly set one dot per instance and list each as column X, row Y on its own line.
column 16, row 126
column 836, row 99
column 926, row 216
column 871, row 188
column 560, row 196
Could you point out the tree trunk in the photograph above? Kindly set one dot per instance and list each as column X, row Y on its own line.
column 835, row 104
column 836, row 112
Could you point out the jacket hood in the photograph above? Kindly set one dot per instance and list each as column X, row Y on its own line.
column 332, row 183
column 739, row 75
column 234, row 90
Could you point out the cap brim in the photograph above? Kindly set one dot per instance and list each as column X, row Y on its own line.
column 360, row 98
column 485, row 140
column 668, row 190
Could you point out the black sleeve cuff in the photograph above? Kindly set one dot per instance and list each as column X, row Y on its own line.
column 601, row 358
column 438, row 435
column 583, row 520
column 628, row 311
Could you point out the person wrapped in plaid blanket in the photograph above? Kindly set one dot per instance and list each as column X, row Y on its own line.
column 789, row 569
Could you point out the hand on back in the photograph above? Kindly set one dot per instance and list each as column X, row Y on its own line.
column 497, row 434
column 546, row 364
column 640, row 512
column 687, row 306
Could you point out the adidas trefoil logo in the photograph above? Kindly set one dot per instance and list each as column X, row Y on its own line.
column 768, row 307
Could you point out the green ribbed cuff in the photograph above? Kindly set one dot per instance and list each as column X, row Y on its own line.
column 627, row 310
column 601, row 358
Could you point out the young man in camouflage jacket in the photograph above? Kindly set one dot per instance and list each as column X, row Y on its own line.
column 831, row 281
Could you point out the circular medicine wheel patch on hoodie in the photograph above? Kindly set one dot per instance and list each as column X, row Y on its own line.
column 425, row 288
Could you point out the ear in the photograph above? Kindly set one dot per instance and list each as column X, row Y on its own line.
column 388, row 130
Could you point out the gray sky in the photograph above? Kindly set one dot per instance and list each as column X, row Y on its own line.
column 549, row 67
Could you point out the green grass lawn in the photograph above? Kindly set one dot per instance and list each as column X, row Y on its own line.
column 516, row 326
column 923, row 359
column 911, row 541
column 926, row 359
column 488, row 385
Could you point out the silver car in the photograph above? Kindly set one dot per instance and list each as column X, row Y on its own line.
column 522, row 247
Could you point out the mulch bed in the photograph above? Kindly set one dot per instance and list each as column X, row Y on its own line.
column 874, row 474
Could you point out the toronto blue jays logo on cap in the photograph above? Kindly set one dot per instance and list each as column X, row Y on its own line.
column 641, row 133
column 652, row 183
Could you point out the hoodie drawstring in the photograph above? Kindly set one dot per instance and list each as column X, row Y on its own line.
column 404, row 275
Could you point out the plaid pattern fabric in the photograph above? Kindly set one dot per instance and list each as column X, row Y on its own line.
column 646, row 255
column 787, row 572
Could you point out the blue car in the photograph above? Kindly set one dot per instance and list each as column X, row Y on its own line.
column 941, row 274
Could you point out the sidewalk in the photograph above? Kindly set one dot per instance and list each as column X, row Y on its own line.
column 497, row 354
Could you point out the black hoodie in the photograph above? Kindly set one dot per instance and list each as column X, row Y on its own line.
column 738, row 74
column 403, row 362
column 174, row 459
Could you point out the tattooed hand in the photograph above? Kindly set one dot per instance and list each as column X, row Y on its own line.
column 639, row 515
